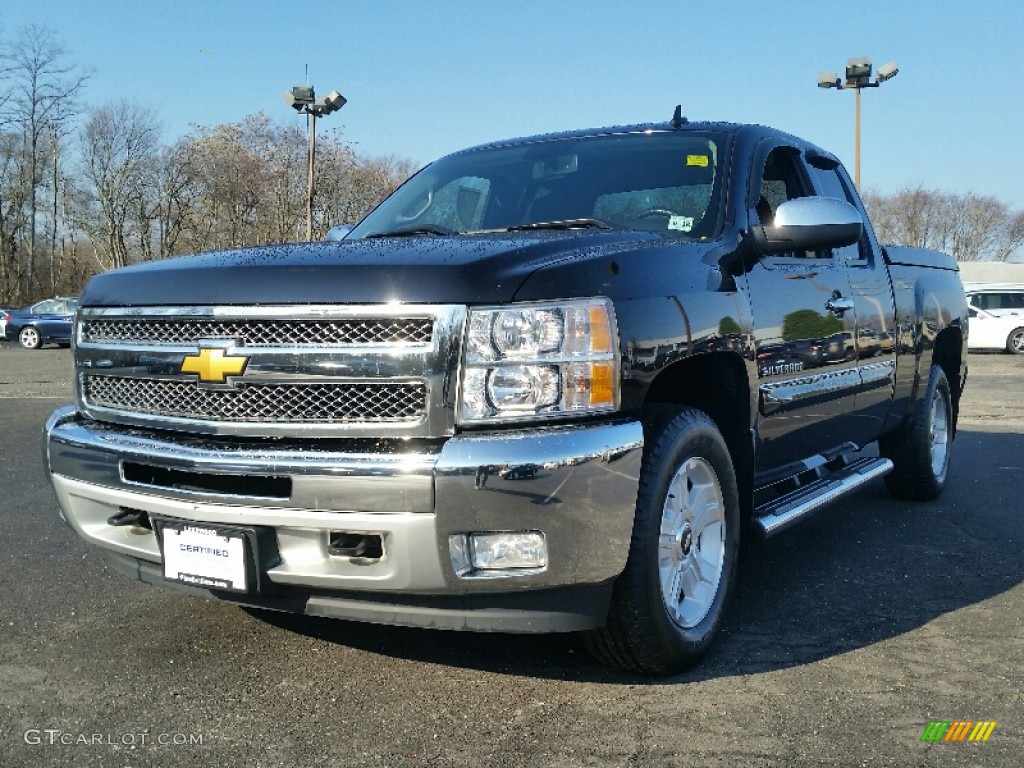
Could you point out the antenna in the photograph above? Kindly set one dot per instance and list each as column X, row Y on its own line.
column 307, row 73
column 678, row 121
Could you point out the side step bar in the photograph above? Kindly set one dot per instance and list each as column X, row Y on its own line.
column 781, row 513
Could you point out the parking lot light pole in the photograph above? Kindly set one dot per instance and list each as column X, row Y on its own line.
column 302, row 98
column 858, row 77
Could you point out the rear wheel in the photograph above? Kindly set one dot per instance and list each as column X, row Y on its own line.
column 29, row 338
column 920, row 451
column 669, row 602
column 1015, row 341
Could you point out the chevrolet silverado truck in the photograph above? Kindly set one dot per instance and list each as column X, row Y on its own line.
column 548, row 385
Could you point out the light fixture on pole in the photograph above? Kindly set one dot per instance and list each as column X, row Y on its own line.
column 858, row 76
column 302, row 98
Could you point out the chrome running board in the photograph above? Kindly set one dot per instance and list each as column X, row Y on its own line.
column 784, row 511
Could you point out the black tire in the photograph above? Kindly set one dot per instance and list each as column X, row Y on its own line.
column 920, row 451
column 1015, row 341
column 644, row 633
column 30, row 338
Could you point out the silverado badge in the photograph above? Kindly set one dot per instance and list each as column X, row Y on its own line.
column 213, row 366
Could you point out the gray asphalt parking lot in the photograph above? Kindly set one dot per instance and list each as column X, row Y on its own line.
column 847, row 636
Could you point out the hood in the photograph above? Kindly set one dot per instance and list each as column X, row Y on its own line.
column 464, row 269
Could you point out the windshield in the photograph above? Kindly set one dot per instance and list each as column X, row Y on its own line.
column 664, row 182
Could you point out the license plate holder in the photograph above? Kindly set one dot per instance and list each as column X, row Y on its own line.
column 206, row 555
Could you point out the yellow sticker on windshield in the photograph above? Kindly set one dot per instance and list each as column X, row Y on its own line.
column 701, row 160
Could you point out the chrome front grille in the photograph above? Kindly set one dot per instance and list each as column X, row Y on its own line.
column 338, row 332
column 320, row 371
column 288, row 403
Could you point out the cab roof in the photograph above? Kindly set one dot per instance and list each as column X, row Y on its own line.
column 664, row 127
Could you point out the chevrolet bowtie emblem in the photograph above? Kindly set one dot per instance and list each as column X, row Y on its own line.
column 213, row 366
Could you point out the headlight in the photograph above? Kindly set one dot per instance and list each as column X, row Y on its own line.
column 530, row 360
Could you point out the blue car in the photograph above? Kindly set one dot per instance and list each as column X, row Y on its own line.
column 45, row 321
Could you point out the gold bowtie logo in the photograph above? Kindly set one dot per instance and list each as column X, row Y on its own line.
column 213, row 365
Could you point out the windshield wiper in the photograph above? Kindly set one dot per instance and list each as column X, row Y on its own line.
column 563, row 224
column 417, row 229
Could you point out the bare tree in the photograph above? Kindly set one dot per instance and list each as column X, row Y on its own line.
column 176, row 196
column 251, row 178
column 285, row 156
column 43, row 90
column 229, row 183
column 119, row 150
column 12, row 216
column 1013, row 236
column 355, row 185
column 977, row 226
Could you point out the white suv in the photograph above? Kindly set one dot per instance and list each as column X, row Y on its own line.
column 998, row 299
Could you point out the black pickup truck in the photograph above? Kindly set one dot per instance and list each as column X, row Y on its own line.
column 548, row 385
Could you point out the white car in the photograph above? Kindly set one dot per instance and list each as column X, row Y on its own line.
column 996, row 298
column 990, row 331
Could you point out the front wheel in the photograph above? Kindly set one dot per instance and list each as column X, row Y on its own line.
column 1015, row 341
column 920, row 450
column 668, row 603
column 29, row 338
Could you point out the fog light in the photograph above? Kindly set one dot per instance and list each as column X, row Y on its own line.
column 490, row 554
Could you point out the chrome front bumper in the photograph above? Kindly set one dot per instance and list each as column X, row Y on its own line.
column 579, row 488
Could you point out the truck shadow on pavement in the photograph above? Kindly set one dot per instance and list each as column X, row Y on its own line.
column 863, row 571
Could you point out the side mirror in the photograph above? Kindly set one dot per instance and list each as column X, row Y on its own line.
column 810, row 224
column 339, row 232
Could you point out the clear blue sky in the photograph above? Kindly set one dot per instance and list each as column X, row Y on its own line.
column 426, row 77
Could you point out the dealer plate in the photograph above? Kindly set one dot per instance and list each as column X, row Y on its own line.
column 205, row 557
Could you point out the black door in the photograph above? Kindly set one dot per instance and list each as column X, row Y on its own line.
column 805, row 332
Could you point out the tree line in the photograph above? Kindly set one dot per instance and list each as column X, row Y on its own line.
column 968, row 226
column 84, row 189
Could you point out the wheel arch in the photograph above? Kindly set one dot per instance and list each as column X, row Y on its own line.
column 717, row 384
column 948, row 354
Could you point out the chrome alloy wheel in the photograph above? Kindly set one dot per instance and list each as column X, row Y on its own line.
column 29, row 338
column 1015, row 342
column 938, row 436
column 691, row 542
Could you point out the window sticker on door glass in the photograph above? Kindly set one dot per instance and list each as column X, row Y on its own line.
column 701, row 160
column 681, row 223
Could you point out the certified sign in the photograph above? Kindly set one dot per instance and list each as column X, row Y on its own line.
column 205, row 557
